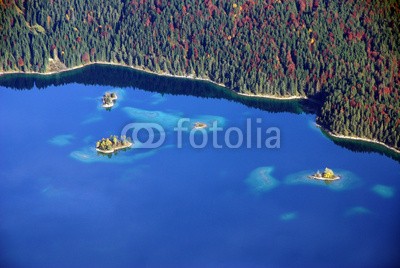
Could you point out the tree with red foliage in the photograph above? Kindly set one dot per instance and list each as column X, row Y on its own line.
column 20, row 62
column 85, row 57
column 291, row 67
column 302, row 6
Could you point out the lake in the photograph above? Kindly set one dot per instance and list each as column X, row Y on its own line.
column 64, row 205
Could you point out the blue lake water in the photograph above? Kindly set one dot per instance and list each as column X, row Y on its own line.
column 63, row 205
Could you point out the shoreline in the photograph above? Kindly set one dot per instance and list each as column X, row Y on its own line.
column 343, row 137
column 324, row 179
column 137, row 68
column 129, row 145
column 107, row 106
column 273, row 97
column 143, row 69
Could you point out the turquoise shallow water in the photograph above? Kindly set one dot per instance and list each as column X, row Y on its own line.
column 63, row 205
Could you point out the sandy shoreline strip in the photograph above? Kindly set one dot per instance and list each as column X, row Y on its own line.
column 113, row 64
column 129, row 145
column 160, row 74
column 273, row 97
column 343, row 137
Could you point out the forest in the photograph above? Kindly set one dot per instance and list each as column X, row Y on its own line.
column 345, row 54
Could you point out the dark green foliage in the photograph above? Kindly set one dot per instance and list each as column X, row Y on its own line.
column 343, row 51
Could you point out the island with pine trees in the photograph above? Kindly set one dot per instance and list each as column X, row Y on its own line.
column 109, row 99
column 327, row 175
column 112, row 144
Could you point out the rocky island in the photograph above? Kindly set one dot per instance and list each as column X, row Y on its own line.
column 112, row 144
column 199, row 125
column 327, row 175
column 109, row 99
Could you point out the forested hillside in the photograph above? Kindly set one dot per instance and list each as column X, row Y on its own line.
column 345, row 53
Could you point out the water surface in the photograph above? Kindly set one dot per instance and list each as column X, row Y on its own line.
column 63, row 205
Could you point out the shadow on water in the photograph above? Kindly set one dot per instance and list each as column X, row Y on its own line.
column 123, row 77
column 363, row 146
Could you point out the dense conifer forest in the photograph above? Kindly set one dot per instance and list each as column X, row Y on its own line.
column 344, row 53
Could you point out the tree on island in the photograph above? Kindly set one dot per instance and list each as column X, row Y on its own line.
column 113, row 142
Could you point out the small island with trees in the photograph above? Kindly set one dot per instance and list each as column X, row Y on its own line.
column 112, row 144
column 199, row 125
column 109, row 99
column 327, row 175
